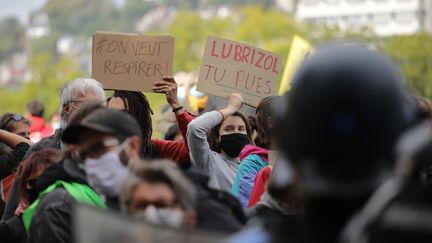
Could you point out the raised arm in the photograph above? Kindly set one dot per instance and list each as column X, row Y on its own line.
column 11, row 139
column 19, row 146
column 168, row 86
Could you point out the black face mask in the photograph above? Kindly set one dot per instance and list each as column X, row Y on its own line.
column 233, row 143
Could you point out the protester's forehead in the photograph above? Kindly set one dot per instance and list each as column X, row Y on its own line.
column 153, row 190
column 233, row 121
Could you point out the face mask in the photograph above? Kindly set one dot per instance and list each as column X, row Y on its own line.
column 166, row 216
column 106, row 173
column 233, row 143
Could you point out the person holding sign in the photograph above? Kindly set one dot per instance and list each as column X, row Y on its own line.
column 137, row 105
column 215, row 140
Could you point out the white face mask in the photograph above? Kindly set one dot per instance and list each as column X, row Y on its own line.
column 106, row 173
column 167, row 216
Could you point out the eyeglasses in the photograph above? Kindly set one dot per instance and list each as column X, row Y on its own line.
column 16, row 118
column 97, row 149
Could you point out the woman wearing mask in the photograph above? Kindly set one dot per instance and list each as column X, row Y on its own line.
column 215, row 140
column 254, row 158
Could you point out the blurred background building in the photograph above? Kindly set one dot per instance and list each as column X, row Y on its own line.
column 384, row 17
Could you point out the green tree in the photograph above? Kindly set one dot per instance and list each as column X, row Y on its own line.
column 81, row 17
column 414, row 56
column 48, row 77
column 12, row 38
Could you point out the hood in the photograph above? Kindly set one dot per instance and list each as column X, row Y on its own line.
column 65, row 170
column 37, row 124
column 251, row 149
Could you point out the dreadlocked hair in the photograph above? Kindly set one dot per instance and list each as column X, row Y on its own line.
column 137, row 105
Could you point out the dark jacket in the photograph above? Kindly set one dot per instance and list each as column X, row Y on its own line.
column 51, row 221
column 9, row 162
column 217, row 210
column 13, row 231
column 48, row 142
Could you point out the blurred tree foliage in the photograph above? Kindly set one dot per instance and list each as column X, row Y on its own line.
column 48, row 77
column 414, row 56
column 12, row 38
column 267, row 28
column 259, row 25
column 80, row 17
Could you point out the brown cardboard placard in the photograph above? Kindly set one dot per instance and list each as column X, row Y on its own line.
column 125, row 61
column 230, row 66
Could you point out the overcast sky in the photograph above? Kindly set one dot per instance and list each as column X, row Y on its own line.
column 22, row 8
column 19, row 8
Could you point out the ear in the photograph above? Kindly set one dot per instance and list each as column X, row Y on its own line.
column 66, row 108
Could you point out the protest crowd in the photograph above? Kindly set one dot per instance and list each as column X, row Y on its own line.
column 344, row 156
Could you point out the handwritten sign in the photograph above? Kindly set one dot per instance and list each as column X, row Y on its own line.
column 230, row 66
column 129, row 61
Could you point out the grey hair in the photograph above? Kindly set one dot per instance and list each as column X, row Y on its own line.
column 78, row 87
column 160, row 171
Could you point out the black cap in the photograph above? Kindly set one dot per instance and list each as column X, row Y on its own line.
column 109, row 121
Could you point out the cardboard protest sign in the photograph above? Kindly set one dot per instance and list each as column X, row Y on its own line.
column 130, row 61
column 92, row 225
column 230, row 66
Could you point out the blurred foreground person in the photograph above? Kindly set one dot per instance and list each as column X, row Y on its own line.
column 401, row 209
column 12, row 230
column 159, row 193
column 280, row 204
column 61, row 186
column 106, row 143
column 346, row 110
